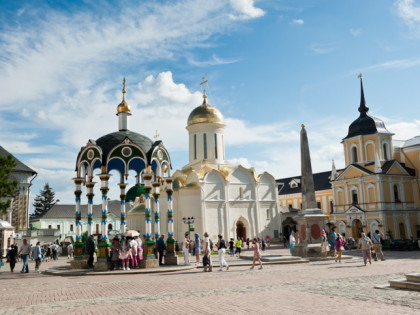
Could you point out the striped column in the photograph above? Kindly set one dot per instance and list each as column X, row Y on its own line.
column 78, row 213
column 156, row 194
column 123, row 226
column 147, row 177
column 104, row 222
column 169, row 192
column 90, row 195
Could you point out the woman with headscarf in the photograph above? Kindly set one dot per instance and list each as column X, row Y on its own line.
column 324, row 243
column 292, row 241
column 197, row 248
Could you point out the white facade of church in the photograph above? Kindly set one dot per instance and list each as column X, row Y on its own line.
column 224, row 199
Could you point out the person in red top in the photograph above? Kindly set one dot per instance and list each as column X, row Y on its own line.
column 339, row 247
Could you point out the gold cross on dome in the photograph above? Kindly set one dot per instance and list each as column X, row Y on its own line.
column 123, row 90
column 360, row 76
column 204, row 86
column 156, row 136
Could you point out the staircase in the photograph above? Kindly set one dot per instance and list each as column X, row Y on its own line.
column 412, row 282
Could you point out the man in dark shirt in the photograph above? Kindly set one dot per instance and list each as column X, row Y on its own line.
column 90, row 249
column 161, row 246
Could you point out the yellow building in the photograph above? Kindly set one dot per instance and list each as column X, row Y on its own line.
column 378, row 188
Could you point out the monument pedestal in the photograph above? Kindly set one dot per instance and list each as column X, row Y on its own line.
column 171, row 259
column 310, row 222
column 149, row 263
column 78, row 263
column 102, row 264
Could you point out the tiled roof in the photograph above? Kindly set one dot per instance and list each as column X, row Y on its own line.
column 20, row 167
column 321, row 182
column 67, row 211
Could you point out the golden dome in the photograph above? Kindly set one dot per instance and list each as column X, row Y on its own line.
column 123, row 107
column 205, row 113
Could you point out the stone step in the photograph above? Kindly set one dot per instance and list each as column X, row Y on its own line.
column 404, row 284
column 413, row 277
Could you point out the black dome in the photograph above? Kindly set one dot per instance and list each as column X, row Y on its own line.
column 110, row 141
column 365, row 125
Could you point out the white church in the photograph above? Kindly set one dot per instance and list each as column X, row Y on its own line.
column 223, row 199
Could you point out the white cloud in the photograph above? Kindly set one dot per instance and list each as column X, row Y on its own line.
column 408, row 11
column 393, row 64
column 240, row 161
column 43, row 56
column 298, row 21
column 213, row 61
column 321, row 49
column 355, row 32
column 246, row 10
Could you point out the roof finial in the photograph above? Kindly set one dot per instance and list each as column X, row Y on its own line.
column 204, row 86
column 123, row 90
column 156, row 136
column 363, row 109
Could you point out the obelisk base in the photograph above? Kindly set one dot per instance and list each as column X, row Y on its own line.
column 310, row 222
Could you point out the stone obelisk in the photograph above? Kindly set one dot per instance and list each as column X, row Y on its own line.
column 307, row 181
column 310, row 220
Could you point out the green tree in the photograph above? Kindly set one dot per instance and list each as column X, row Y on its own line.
column 43, row 201
column 7, row 186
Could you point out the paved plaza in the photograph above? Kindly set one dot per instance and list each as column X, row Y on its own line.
column 308, row 288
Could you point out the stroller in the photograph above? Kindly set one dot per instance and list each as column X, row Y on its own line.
column 207, row 263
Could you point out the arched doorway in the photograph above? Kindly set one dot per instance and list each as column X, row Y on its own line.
column 356, row 229
column 402, row 231
column 240, row 230
column 289, row 225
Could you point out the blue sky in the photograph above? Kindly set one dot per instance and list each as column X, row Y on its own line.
column 271, row 65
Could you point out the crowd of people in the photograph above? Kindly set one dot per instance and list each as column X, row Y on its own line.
column 38, row 253
column 127, row 252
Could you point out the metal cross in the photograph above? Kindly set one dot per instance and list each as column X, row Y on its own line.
column 156, row 136
column 204, row 85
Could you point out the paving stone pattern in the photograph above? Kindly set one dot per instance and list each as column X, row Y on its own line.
column 314, row 288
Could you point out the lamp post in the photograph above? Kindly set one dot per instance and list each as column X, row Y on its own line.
column 189, row 221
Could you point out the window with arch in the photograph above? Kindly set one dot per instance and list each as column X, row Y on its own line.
column 385, row 147
column 340, row 197
column 354, row 197
column 354, row 155
column 195, row 147
column 268, row 214
column 215, row 145
column 109, row 227
column 205, row 145
column 396, row 194
column 370, row 151
column 97, row 228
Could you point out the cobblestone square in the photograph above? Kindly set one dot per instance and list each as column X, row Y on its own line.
column 311, row 288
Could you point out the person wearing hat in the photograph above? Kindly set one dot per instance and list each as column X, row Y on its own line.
column 186, row 249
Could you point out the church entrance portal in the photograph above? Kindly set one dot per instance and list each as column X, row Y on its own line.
column 357, row 229
column 240, row 230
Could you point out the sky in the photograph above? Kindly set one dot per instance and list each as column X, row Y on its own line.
column 272, row 65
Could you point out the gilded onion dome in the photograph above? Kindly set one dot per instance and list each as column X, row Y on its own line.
column 205, row 113
column 123, row 107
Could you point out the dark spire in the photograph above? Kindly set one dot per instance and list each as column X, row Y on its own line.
column 363, row 109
